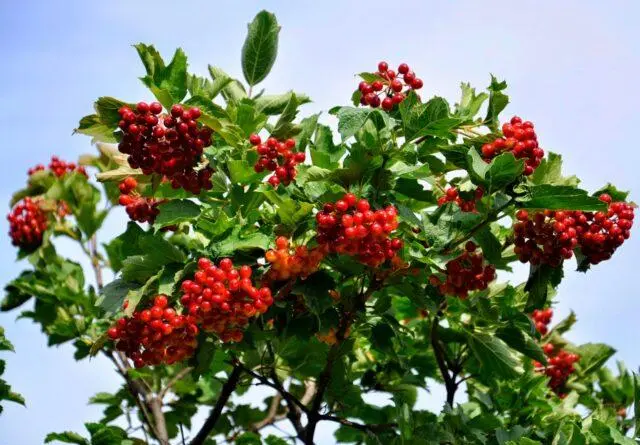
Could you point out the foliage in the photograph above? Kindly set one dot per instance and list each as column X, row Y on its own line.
column 345, row 321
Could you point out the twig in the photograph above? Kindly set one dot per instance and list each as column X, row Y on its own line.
column 271, row 414
column 310, row 391
column 293, row 414
column 227, row 390
column 359, row 426
column 137, row 390
column 95, row 261
column 176, row 378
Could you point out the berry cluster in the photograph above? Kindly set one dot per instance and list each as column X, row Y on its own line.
column 466, row 273
column 521, row 140
column 27, row 222
column 170, row 146
column 390, row 86
column 451, row 194
column 288, row 263
column 156, row 335
column 138, row 208
column 350, row 226
column 559, row 368
column 542, row 318
column 546, row 237
column 222, row 298
column 605, row 231
column 277, row 157
column 59, row 167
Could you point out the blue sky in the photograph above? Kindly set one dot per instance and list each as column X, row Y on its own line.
column 572, row 69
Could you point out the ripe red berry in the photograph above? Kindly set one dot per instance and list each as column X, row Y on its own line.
column 403, row 68
column 383, row 67
column 387, row 103
column 254, row 139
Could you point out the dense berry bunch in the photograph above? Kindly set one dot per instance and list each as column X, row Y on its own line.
column 604, row 232
column 278, row 157
column 521, row 140
column 451, row 194
column 559, row 368
column 466, row 273
column 27, row 222
column 350, row 227
column 170, row 146
column 542, row 318
column 223, row 298
column 288, row 263
column 139, row 208
column 392, row 86
column 59, row 167
column 156, row 335
column 546, row 237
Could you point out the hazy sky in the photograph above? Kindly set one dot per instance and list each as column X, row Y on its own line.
column 572, row 69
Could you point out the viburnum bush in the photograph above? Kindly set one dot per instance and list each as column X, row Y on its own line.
column 263, row 249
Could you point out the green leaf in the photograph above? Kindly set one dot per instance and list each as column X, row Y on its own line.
column 564, row 325
column 502, row 171
column 491, row 247
column 113, row 295
column 176, row 211
column 611, row 190
column 315, row 290
column 243, row 173
column 92, row 126
column 237, row 241
column 569, row 434
column 382, row 338
column 248, row 438
column 560, row 197
column 593, row 356
column 350, row 120
column 272, row 105
column 66, row 437
column 429, row 119
column 498, row 101
column 494, row 355
column 274, row 440
column 232, row 90
column 284, row 127
column 260, row 47
column 540, row 278
column 167, row 83
column 550, row 172
column 521, row 342
column 470, row 103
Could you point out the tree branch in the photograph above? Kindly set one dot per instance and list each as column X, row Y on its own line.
column 139, row 392
column 227, row 390
column 271, row 414
column 373, row 428
column 440, row 354
column 95, row 261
